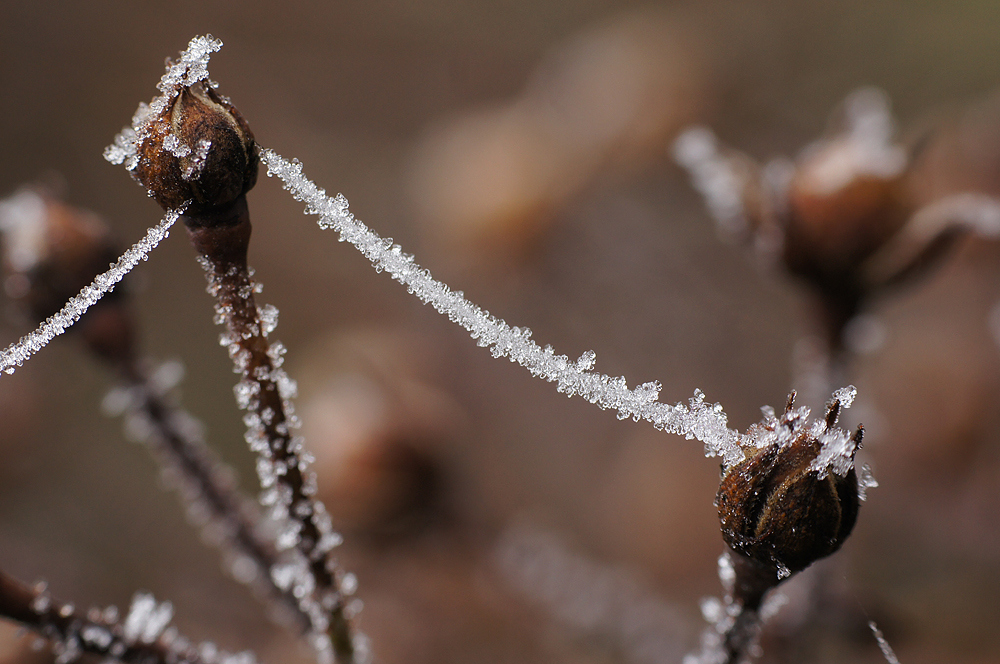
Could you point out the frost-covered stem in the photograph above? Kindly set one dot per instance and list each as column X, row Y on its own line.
column 98, row 632
column 752, row 582
column 17, row 353
column 883, row 645
column 205, row 484
column 706, row 422
column 222, row 240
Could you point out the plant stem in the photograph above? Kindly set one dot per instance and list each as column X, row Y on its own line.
column 206, row 485
column 222, row 238
column 98, row 633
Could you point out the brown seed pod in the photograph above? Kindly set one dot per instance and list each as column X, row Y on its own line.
column 198, row 149
column 781, row 510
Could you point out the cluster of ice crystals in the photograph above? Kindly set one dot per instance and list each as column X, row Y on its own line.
column 23, row 224
column 845, row 396
column 866, row 480
column 883, row 645
column 837, row 446
column 864, row 148
column 722, row 614
column 727, row 573
column 836, row 453
column 190, row 68
column 17, row 353
column 706, row 422
column 146, row 619
column 42, row 601
column 268, row 318
column 595, row 599
column 195, row 165
column 713, row 176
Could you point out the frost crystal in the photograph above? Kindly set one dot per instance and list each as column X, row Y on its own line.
column 883, row 645
column 866, row 481
column 146, row 619
column 186, row 71
column 17, row 353
column 698, row 420
column 713, row 176
column 22, row 222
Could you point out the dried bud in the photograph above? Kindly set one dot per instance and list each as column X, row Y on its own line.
column 782, row 506
column 198, row 148
column 844, row 202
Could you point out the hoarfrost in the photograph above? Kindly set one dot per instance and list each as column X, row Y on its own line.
column 22, row 222
column 845, row 395
column 866, row 480
column 190, row 68
column 96, row 636
column 268, row 318
column 146, row 619
column 713, row 176
column 727, row 573
column 707, row 423
column 17, row 353
column 349, row 584
column 883, row 645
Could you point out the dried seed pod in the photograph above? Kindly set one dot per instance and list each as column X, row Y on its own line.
column 198, row 149
column 782, row 507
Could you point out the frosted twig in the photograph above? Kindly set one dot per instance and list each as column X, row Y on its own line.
column 305, row 539
column 716, row 176
column 928, row 227
column 706, row 422
column 592, row 598
column 143, row 637
column 218, row 222
column 17, row 353
column 883, row 645
column 228, row 518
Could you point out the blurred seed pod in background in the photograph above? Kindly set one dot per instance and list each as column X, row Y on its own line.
column 493, row 180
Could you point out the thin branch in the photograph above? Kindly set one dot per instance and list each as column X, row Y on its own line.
column 265, row 390
column 17, row 353
column 205, row 484
column 143, row 637
column 706, row 422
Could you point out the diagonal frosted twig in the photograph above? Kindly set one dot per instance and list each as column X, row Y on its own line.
column 17, row 353
column 706, row 422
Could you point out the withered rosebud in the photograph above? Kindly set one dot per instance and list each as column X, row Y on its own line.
column 794, row 499
column 198, row 149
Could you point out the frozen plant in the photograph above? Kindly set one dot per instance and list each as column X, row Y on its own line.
column 195, row 154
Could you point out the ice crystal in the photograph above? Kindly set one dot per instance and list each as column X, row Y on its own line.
column 883, row 645
column 190, row 68
column 706, row 422
column 866, row 480
column 146, row 619
column 22, row 222
column 713, row 176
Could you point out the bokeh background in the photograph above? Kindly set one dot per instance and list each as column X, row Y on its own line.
column 521, row 151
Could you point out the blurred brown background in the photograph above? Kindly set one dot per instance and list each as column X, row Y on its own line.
column 520, row 150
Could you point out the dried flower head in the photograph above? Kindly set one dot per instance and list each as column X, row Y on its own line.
column 189, row 145
column 197, row 148
column 794, row 499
